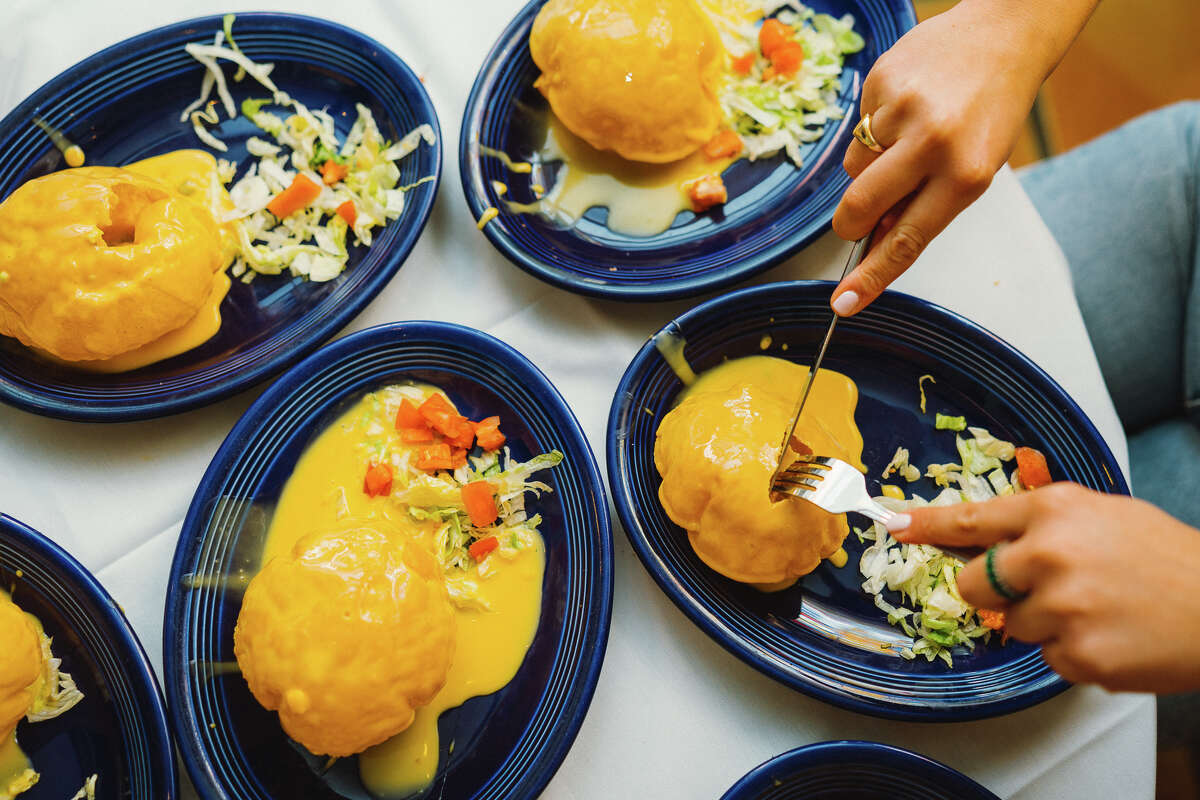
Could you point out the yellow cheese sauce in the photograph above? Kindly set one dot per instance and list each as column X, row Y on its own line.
column 193, row 174
column 642, row 199
column 20, row 675
column 717, row 449
column 190, row 174
column 327, row 486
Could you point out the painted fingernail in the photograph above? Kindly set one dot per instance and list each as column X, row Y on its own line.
column 845, row 303
column 899, row 523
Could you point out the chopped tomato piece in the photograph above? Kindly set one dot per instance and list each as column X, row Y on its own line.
column 348, row 212
column 302, row 192
column 421, row 435
column 463, row 435
column 407, row 416
column 707, row 192
column 1032, row 470
column 991, row 619
column 378, row 480
column 743, row 64
column 799, row 447
column 434, row 456
column 458, row 457
column 441, row 416
column 787, row 59
column 479, row 549
column 332, row 172
column 772, row 35
column 480, row 499
column 487, row 433
column 725, row 144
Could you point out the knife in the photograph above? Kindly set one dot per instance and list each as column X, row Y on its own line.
column 856, row 255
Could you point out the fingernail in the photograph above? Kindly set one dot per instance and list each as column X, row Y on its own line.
column 899, row 522
column 845, row 303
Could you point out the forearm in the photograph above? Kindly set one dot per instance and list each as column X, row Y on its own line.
column 1038, row 32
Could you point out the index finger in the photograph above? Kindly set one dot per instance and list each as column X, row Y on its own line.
column 966, row 524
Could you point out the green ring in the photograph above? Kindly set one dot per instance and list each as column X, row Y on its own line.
column 998, row 584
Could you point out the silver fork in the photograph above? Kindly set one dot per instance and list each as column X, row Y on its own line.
column 831, row 484
column 837, row 487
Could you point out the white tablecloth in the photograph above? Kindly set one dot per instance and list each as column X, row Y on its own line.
column 674, row 715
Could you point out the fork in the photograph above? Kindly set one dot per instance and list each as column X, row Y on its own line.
column 831, row 484
column 838, row 487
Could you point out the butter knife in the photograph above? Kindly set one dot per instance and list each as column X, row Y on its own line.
column 856, row 255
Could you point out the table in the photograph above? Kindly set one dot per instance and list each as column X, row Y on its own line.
column 674, row 715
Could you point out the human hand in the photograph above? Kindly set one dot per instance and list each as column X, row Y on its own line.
column 1111, row 581
column 947, row 101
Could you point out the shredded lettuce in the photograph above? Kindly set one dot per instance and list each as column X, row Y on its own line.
column 930, row 608
column 944, row 422
column 784, row 113
column 311, row 242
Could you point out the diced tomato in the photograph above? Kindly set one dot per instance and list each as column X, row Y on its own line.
column 725, row 144
column 458, row 457
column 332, row 172
column 408, row 417
column 743, row 64
column 480, row 499
column 441, row 416
column 991, row 619
column 706, row 192
column 772, row 35
column 488, row 435
column 1032, row 470
column 787, row 59
column 378, row 480
column 299, row 194
column 463, row 435
column 348, row 212
column 480, row 549
column 421, row 435
column 434, row 456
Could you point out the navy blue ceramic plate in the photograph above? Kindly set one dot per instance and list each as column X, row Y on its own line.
column 860, row 770
column 775, row 209
column 824, row 636
column 123, row 104
column 506, row 745
column 119, row 730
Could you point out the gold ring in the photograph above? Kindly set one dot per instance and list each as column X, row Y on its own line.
column 862, row 132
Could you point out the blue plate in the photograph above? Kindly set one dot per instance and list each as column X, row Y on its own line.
column 505, row 745
column 825, row 636
column 859, row 770
column 123, row 104
column 775, row 209
column 119, row 730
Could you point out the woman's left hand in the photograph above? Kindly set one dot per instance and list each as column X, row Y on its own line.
column 1113, row 583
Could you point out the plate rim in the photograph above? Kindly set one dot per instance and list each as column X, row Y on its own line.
column 820, row 752
column 698, row 613
column 136, row 667
column 399, row 73
column 472, row 181
column 192, row 752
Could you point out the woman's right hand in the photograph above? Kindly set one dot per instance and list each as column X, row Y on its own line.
column 947, row 103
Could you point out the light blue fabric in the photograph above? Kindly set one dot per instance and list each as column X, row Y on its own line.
column 1125, row 208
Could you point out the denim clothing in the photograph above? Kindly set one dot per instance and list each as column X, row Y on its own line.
column 1125, row 208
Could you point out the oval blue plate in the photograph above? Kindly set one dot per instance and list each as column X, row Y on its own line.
column 119, row 730
column 507, row 744
column 860, row 770
column 775, row 209
column 123, row 104
column 824, row 636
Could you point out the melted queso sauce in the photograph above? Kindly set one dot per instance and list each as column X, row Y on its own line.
column 326, row 486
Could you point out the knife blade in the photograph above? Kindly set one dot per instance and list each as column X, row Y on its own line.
column 856, row 255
